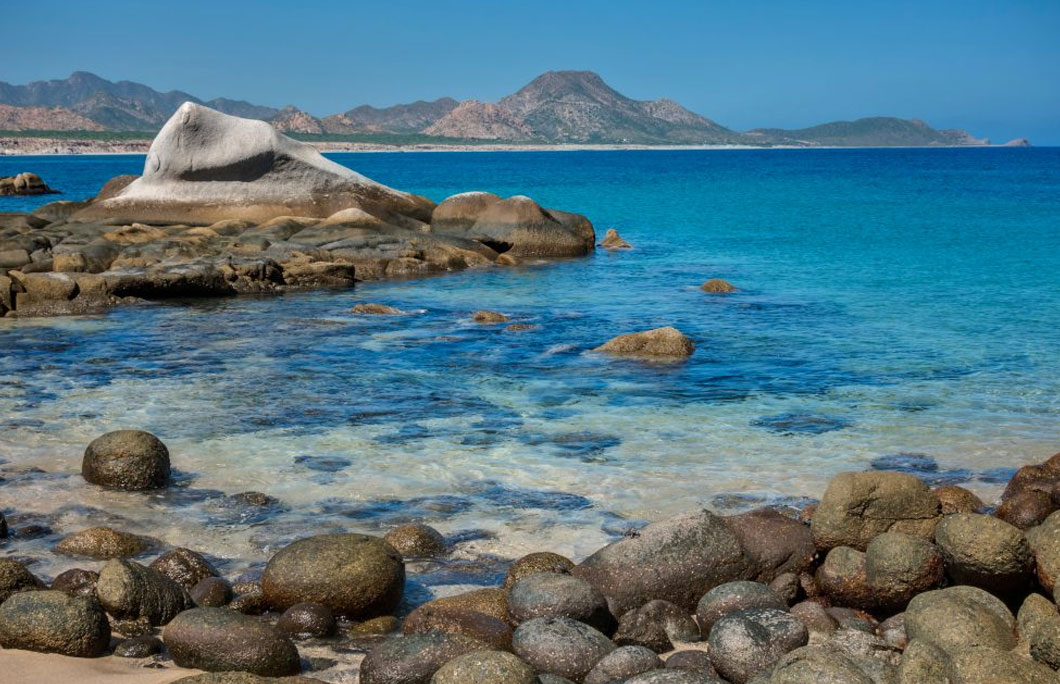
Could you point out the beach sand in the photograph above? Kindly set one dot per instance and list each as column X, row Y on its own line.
column 27, row 667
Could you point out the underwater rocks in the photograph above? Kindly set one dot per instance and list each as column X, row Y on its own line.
column 229, row 206
column 132, row 460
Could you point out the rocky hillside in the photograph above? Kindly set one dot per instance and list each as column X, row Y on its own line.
column 556, row 107
column 877, row 131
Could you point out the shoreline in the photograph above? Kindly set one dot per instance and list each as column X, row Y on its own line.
column 43, row 147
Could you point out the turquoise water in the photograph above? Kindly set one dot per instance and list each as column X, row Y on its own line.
column 898, row 308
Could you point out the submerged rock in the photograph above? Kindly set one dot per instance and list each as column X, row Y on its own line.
column 127, row 459
column 54, row 622
column 219, row 640
column 354, row 575
column 371, row 309
column 612, row 240
column 489, row 317
column 663, row 343
column 718, row 286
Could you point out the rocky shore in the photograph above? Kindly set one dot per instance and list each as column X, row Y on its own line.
column 884, row 581
column 228, row 206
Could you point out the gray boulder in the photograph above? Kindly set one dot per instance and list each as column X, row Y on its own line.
column 103, row 543
column 957, row 618
column 219, row 640
column 656, row 625
column 75, row 581
column 354, row 575
column 127, row 459
column 674, row 677
column 773, row 543
column 983, row 664
column 622, row 663
column 732, row 597
column 184, row 566
column 130, row 591
column 548, row 594
column 458, row 620
column 540, row 561
column 817, row 665
column 307, row 620
column 54, row 622
column 416, row 540
column 1044, row 541
column 485, row 667
column 414, row 659
column 211, row 592
column 985, row 552
column 561, row 646
column 856, row 507
column 899, row 566
column 15, row 578
column 677, row 560
column 749, row 642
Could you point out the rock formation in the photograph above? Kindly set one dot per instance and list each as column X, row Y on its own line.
column 24, row 184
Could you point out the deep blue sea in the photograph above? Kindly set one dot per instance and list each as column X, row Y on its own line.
column 897, row 309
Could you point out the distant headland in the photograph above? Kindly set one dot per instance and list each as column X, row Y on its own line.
column 88, row 114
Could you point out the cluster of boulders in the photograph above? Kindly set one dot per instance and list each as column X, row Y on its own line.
column 885, row 581
column 228, row 205
column 25, row 183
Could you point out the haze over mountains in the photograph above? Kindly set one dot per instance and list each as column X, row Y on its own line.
column 556, row 107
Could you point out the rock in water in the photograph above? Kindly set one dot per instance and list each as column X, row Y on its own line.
column 219, row 640
column 205, row 166
column 718, row 286
column 14, row 577
column 416, row 540
column 54, row 622
column 663, row 343
column 130, row 591
column 24, row 184
column 354, row 575
column 677, row 560
column 184, row 566
column 102, row 542
column 517, row 226
column 127, row 459
column 612, row 240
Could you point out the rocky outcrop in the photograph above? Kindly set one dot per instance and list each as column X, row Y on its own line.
column 24, row 184
column 660, row 343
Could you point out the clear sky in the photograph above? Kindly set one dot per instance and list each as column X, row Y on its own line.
column 990, row 66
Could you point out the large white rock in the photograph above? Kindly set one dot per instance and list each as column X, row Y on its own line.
column 205, row 166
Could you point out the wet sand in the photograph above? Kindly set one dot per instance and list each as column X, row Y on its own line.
column 27, row 667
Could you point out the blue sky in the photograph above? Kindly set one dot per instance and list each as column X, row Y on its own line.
column 992, row 67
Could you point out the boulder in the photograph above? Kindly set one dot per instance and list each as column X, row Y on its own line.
column 958, row 618
column 130, row 591
column 547, row 594
column 660, row 343
column 516, row 226
column 956, row 499
column 485, row 667
column 773, row 543
column 492, row 601
column 1026, row 508
column 184, row 566
column 843, row 578
column 75, row 581
column 1044, row 541
column 899, row 566
column 612, row 240
column 416, row 540
column 15, row 578
column 219, row 640
column 205, row 166
column 748, row 642
column 243, row 678
column 732, row 597
column 211, row 592
column 622, row 663
column 656, row 625
column 102, row 542
column 539, row 561
column 138, row 647
column 815, row 616
column 674, row 677
column 856, row 507
column 354, row 575
column 371, row 309
column 561, row 646
column 127, row 459
column 25, row 183
column 677, row 560
column 489, row 317
column 693, row 659
column 718, row 286
column 985, row 552
column 1038, row 624
column 307, row 620
column 455, row 620
column 414, row 659
column 818, row 665
column 54, row 622
column 983, row 664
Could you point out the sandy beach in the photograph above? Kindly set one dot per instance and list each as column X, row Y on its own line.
column 27, row 667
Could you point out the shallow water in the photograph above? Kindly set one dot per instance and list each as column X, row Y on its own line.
column 898, row 309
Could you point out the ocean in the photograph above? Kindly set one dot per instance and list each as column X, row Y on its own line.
column 897, row 309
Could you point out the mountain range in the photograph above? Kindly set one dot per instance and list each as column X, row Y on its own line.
column 556, row 107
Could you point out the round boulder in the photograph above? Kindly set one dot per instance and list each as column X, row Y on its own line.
column 354, row 575
column 76, row 581
column 127, row 459
column 102, row 542
column 307, row 620
column 746, row 643
column 983, row 551
column 818, row 665
column 138, row 647
column 130, row 591
column 899, row 566
column 540, row 561
column 960, row 617
column 550, row 595
column 656, row 625
column 456, row 620
column 416, row 540
column 661, row 343
column 732, row 597
column 1045, row 545
column 415, row 658
column 1026, row 508
column 184, row 566
column 15, row 578
column 843, row 578
column 561, row 646
column 485, row 667
column 492, row 601
column 691, row 659
column 856, row 507
column 622, row 663
column 219, row 640
column 718, row 286
column 956, row 499
column 54, row 622
column 211, row 592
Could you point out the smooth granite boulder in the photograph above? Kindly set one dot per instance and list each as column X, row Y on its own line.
column 677, row 560
column 622, row 663
column 205, row 166
column 15, row 578
column 307, row 620
column 818, row 665
column 660, row 343
column 773, row 543
column 656, row 625
column 561, row 646
column 184, row 566
column 547, row 594
column 674, row 677
column 75, row 581
column 517, row 226
column 492, row 601
column 103, row 543
column 899, row 566
column 219, row 640
column 539, row 561
column 749, row 642
column 856, row 507
column 354, row 575
column 138, row 647
column 732, row 597
column 958, row 618
column 54, row 622
column 127, row 459
column 485, row 667
column 1044, row 541
column 130, row 591
column 985, row 552
column 431, row 617
column 415, row 658
column 211, row 592
column 416, row 540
